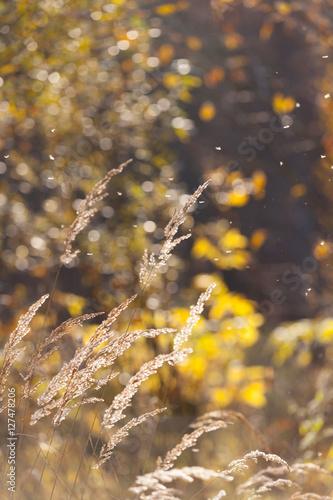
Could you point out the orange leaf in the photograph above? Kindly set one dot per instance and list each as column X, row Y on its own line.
column 207, row 111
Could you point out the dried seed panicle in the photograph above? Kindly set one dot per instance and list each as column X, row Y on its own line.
column 115, row 412
column 86, row 210
column 193, row 318
column 122, row 433
column 22, row 329
column 151, row 264
column 38, row 357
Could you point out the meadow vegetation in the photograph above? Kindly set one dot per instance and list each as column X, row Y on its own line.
column 155, row 343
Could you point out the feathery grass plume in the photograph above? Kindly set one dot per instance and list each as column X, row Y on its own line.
column 308, row 468
column 122, row 433
column 22, row 329
column 309, row 496
column 240, row 465
column 151, row 264
column 193, row 318
column 221, row 494
column 111, row 318
column 230, row 416
column 189, row 440
column 155, row 481
column 143, row 274
column 115, row 412
column 234, row 416
column 79, row 374
column 208, row 422
column 108, row 354
column 86, row 210
column 84, row 378
column 283, row 478
column 270, row 486
column 268, row 478
column 38, row 357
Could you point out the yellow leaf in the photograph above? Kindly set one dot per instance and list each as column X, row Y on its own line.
column 153, row 383
column 165, row 54
column 232, row 239
column 207, row 111
column 8, row 68
column 255, row 372
column 197, row 366
column 220, row 305
column 259, row 180
column 283, row 8
column 233, row 40
column 192, row 81
column 75, row 304
column 215, row 76
column 54, row 359
column 258, row 238
column 241, row 306
column 193, row 43
column 235, row 373
column 325, row 331
column 266, row 31
column 179, row 317
column 185, row 96
column 237, row 199
column 165, row 10
column 222, row 396
column 282, row 353
column 248, row 336
column 207, row 343
column 304, row 358
column 322, row 250
column 203, row 248
column 182, row 134
column 171, row 80
column 254, row 394
column 283, row 104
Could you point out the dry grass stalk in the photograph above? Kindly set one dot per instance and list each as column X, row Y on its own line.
column 22, row 329
column 38, row 357
column 193, row 318
column 309, row 496
column 151, row 264
column 234, row 416
column 115, row 412
column 271, row 486
column 220, row 494
column 309, row 468
column 240, row 465
column 105, row 326
column 78, row 375
column 265, row 481
column 189, row 440
column 165, row 471
column 155, row 481
column 122, row 433
column 278, row 484
column 231, row 416
column 108, row 354
column 278, row 479
column 86, row 211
